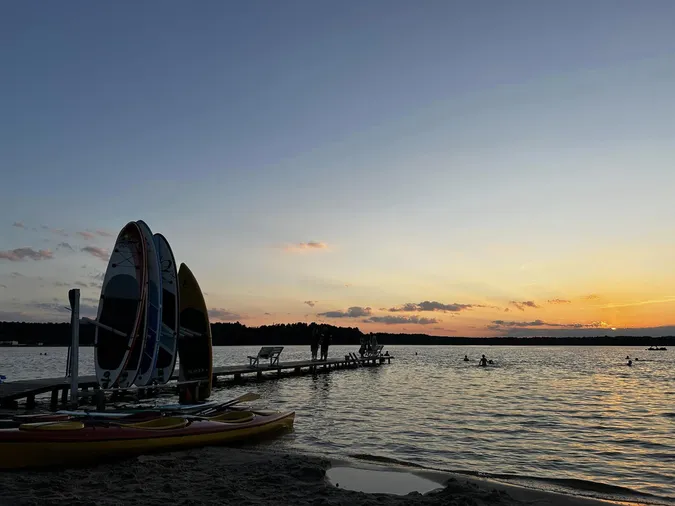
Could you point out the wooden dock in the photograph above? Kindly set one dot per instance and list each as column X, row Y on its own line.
column 13, row 391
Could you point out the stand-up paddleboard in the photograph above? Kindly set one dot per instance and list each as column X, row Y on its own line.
column 153, row 301
column 194, row 351
column 168, row 337
column 121, row 305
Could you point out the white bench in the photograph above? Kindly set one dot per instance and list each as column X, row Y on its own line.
column 266, row 352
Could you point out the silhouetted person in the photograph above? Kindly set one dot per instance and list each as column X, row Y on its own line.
column 483, row 361
column 325, row 343
column 314, row 342
column 466, row 358
column 630, row 363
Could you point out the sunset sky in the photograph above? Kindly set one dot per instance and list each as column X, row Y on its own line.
column 469, row 168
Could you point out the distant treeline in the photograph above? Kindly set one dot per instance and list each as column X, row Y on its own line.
column 236, row 334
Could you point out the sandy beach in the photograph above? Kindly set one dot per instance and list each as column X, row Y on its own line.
column 245, row 477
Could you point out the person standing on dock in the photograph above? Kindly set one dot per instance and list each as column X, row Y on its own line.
column 314, row 341
column 325, row 343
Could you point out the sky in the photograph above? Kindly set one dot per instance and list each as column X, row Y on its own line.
column 468, row 168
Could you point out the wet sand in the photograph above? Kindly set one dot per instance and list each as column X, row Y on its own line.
column 222, row 476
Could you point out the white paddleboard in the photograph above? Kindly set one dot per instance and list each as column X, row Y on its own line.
column 121, row 305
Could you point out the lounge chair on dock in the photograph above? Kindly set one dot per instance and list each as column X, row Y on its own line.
column 375, row 352
column 270, row 353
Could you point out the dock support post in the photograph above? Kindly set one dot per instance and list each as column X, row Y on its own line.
column 30, row 401
column 74, row 297
column 259, row 375
column 55, row 399
column 64, row 395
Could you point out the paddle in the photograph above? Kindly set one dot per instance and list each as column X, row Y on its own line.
column 247, row 397
column 143, row 415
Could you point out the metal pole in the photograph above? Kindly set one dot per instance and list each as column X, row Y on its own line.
column 74, row 297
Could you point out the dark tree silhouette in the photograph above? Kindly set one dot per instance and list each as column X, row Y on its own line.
column 236, row 334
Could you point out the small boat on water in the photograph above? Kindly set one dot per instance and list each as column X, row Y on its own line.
column 78, row 441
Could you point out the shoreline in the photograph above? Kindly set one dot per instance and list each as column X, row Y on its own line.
column 250, row 476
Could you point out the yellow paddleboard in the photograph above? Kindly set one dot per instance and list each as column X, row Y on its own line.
column 195, row 352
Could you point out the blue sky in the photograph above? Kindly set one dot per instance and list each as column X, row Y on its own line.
column 461, row 152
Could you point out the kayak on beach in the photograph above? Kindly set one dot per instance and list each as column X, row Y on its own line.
column 44, row 444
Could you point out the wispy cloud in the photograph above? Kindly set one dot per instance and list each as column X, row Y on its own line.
column 101, row 253
column 44, row 311
column 64, row 245
column 502, row 324
column 307, row 246
column 432, row 305
column 398, row 320
column 86, row 235
column 670, row 298
column 224, row 315
column 352, row 312
column 311, row 303
column 57, row 231
column 18, row 224
column 3, row 286
column 101, row 276
column 103, row 233
column 16, row 255
column 17, row 275
column 592, row 296
column 81, row 284
column 559, row 301
column 524, row 304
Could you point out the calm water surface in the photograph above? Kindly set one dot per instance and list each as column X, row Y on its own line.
column 552, row 413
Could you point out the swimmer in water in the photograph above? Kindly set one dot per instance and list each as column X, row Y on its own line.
column 466, row 358
column 483, row 361
column 630, row 363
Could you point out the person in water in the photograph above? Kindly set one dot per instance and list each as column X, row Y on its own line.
column 466, row 358
column 630, row 363
column 483, row 361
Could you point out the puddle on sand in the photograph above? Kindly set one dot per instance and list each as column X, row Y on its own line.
column 383, row 482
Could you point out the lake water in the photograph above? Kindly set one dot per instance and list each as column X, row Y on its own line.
column 562, row 418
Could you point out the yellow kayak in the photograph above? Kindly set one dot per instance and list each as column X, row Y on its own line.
column 73, row 442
